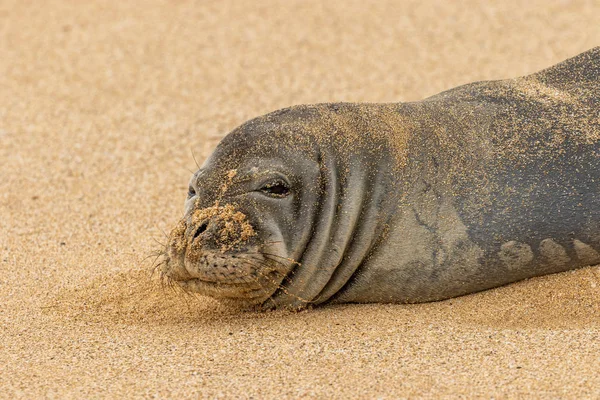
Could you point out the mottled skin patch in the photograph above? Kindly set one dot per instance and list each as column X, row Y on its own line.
column 586, row 254
column 515, row 255
column 553, row 254
column 473, row 188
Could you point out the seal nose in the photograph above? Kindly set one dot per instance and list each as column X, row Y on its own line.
column 201, row 229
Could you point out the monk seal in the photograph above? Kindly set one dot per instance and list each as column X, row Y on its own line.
column 476, row 187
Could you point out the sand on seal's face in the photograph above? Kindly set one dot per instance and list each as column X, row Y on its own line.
column 100, row 103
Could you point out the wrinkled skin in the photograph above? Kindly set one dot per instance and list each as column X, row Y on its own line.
column 477, row 187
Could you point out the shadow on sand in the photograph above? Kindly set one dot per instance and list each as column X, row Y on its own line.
column 568, row 300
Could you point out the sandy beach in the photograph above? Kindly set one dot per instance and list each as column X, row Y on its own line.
column 103, row 107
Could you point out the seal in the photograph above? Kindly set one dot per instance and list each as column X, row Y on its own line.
column 476, row 187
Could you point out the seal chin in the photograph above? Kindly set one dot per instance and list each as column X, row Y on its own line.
column 237, row 294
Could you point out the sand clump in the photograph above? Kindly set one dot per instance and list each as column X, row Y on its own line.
column 234, row 227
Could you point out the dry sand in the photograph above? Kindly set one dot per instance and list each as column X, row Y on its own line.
column 101, row 106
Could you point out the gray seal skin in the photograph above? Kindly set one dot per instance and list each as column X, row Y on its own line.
column 476, row 187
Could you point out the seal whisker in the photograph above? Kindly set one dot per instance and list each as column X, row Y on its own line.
column 159, row 242
column 194, row 157
column 278, row 256
column 162, row 230
column 283, row 258
column 280, row 263
column 156, row 254
column 279, row 286
column 158, row 262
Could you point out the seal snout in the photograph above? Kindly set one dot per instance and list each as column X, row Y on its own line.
column 210, row 252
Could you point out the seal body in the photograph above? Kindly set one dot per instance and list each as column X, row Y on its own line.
column 477, row 187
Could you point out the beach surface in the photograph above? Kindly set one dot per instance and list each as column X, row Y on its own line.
column 103, row 107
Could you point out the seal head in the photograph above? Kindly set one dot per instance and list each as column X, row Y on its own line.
column 285, row 209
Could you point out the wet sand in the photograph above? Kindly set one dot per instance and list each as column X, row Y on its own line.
column 102, row 105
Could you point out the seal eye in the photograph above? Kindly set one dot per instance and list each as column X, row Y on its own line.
column 191, row 192
column 276, row 189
